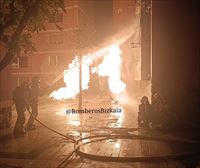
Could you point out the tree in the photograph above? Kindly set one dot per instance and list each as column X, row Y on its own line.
column 19, row 20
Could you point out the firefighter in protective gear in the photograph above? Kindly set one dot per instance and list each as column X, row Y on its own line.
column 161, row 111
column 34, row 93
column 144, row 114
column 21, row 100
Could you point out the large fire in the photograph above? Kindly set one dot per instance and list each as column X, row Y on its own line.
column 110, row 67
column 71, row 79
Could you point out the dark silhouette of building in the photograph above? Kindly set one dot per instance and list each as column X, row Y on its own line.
column 176, row 55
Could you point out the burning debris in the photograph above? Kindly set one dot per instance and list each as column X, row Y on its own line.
column 110, row 67
column 71, row 79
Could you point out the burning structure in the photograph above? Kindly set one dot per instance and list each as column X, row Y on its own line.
column 116, row 63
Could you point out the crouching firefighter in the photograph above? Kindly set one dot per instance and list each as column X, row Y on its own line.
column 144, row 114
column 21, row 100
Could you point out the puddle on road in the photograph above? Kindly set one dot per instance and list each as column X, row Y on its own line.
column 61, row 112
column 127, row 148
column 79, row 134
column 73, row 122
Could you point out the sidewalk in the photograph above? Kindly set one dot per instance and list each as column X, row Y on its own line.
column 42, row 148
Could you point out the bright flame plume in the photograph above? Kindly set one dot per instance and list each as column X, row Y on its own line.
column 110, row 67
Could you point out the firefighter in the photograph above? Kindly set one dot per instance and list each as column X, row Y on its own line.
column 144, row 114
column 21, row 100
column 160, row 111
column 34, row 93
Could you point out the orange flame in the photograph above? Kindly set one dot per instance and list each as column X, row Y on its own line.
column 110, row 67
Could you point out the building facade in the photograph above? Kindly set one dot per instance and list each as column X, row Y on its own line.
column 56, row 48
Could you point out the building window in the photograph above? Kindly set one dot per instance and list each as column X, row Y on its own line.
column 23, row 79
column 56, row 60
column 60, row 60
column 15, row 62
column 23, row 62
column 58, row 17
column 56, row 39
column 20, row 62
column 52, row 60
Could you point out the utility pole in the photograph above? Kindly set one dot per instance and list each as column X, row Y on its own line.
column 151, row 50
column 80, row 83
column 82, row 42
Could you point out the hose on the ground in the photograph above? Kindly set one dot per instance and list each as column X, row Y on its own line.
column 139, row 158
column 121, row 136
column 51, row 129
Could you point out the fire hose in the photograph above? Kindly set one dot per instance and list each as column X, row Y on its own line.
column 53, row 130
column 140, row 158
column 78, row 144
